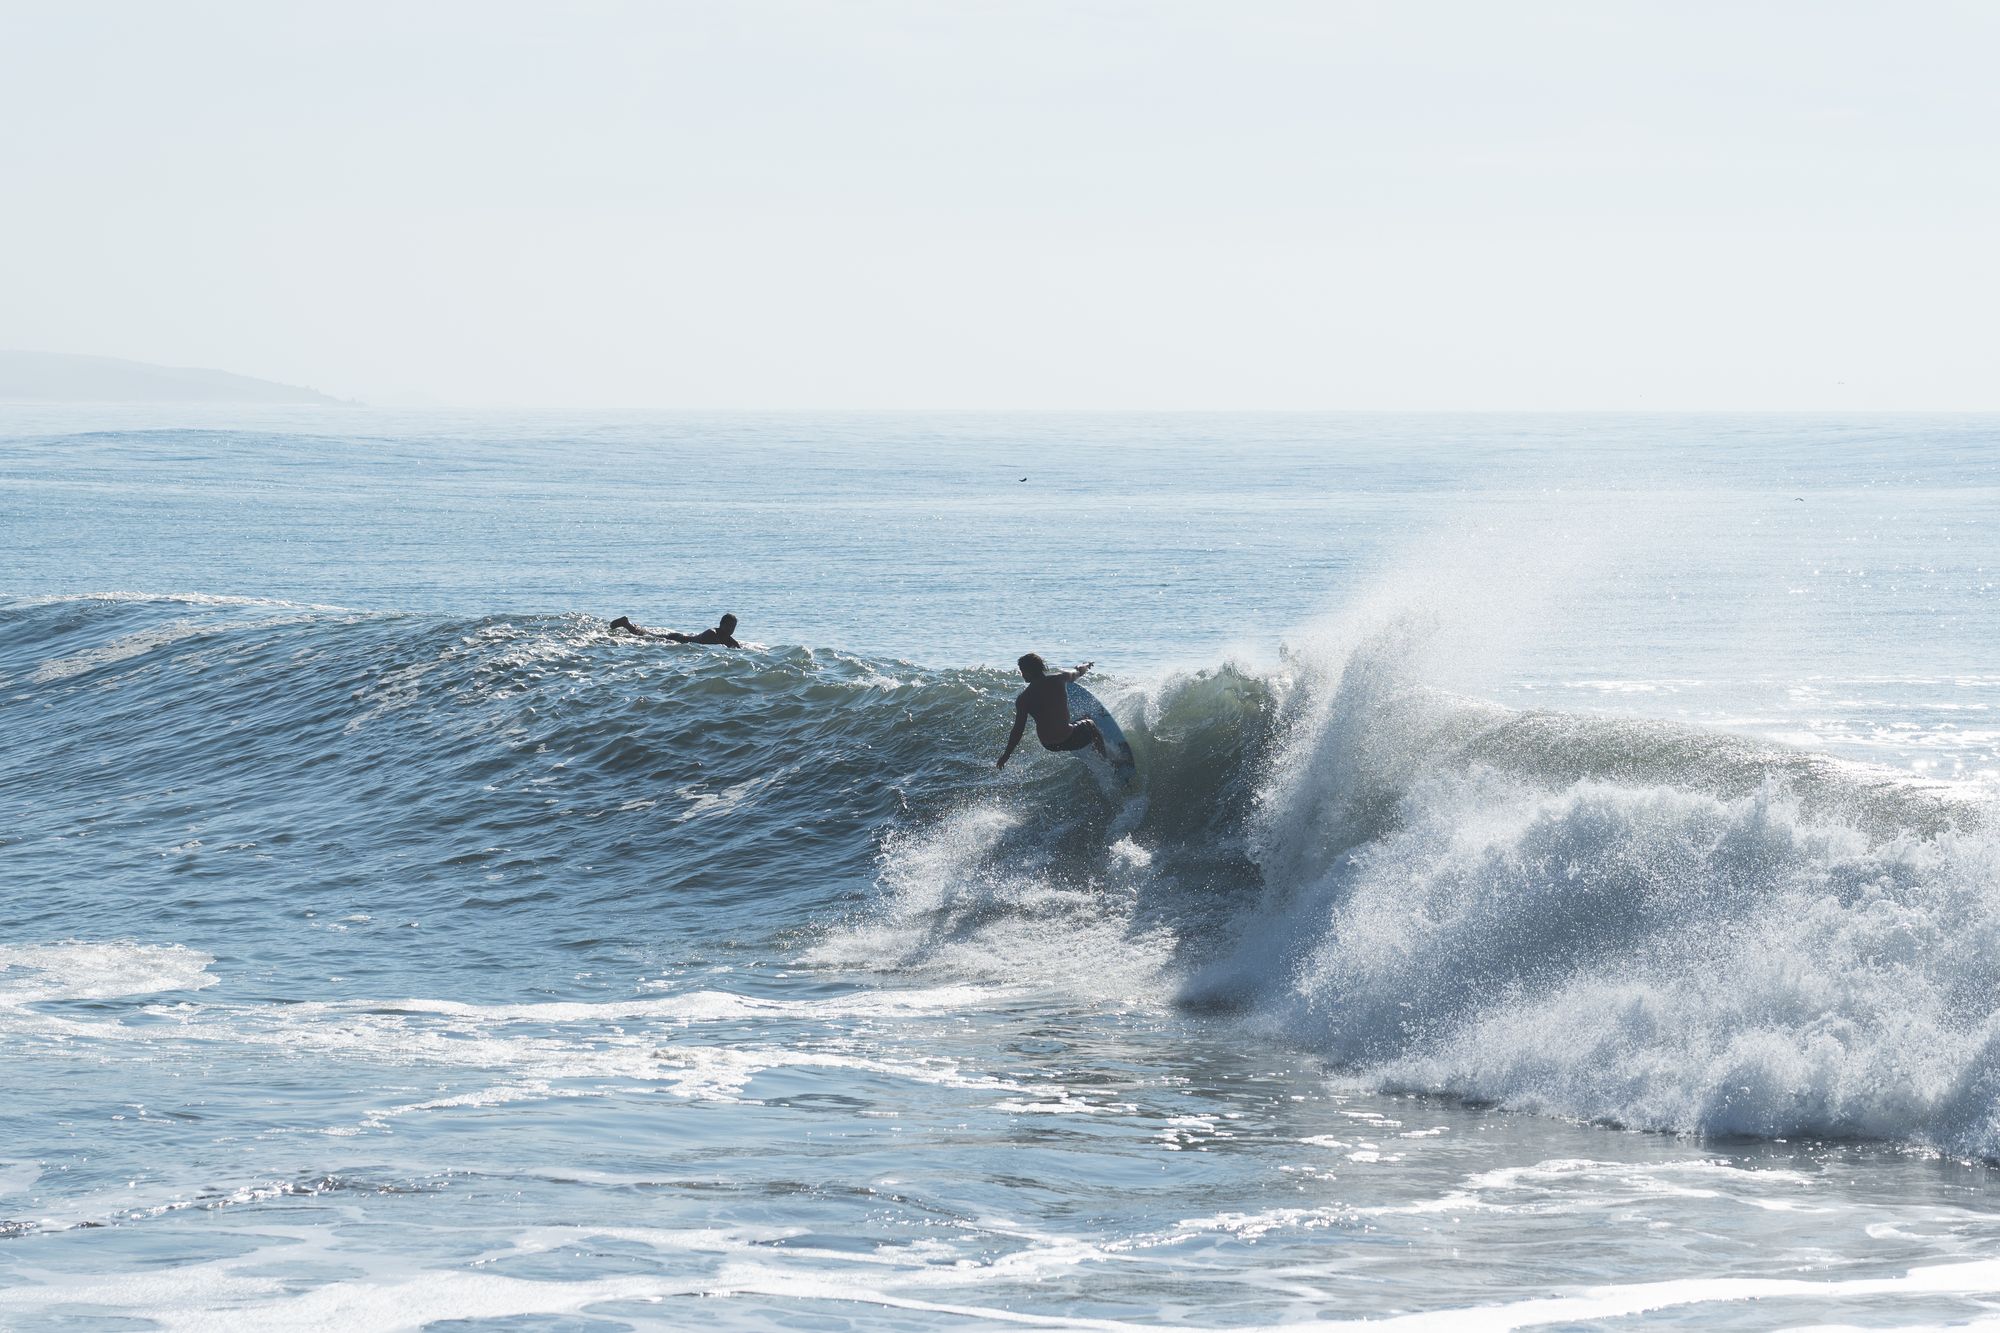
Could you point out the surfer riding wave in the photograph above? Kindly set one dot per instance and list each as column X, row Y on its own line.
column 1047, row 701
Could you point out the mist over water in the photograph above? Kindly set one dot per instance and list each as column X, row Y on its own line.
column 1568, row 870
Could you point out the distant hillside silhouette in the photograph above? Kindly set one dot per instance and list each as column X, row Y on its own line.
column 60, row 377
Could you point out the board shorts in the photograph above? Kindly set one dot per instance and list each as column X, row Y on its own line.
column 1080, row 734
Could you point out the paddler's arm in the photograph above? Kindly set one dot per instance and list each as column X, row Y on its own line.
column 1020, row 725
column 1072, row 674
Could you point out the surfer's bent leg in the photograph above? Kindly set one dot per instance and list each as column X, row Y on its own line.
column 1080, row 734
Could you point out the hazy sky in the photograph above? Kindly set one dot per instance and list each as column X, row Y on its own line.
column 1081, row 204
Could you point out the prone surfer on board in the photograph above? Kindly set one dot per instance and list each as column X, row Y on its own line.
column 724, row 633
column 1047, row 702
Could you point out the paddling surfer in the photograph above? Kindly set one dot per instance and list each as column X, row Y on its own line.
column 1047, row 702
column 724, row 633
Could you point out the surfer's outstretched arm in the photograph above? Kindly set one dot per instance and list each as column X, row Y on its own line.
column 1020, row 725
column 1073, row 672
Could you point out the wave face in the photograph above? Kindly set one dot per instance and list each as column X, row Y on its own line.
column 523, row 793
column 1616, row 920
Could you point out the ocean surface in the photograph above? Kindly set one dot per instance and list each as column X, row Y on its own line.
column 1567, row 892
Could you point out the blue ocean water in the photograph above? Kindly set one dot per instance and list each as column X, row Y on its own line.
column 1567, row 893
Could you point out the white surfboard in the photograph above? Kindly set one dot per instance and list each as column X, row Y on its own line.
column 1119, row 777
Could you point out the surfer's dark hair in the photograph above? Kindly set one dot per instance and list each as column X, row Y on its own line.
column 1031, row 664
column 728, row 619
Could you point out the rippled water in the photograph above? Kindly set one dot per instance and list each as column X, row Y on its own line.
column 1567, row 893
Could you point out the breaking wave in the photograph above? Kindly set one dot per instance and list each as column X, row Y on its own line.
column 1616, row 920
column 1609, row 919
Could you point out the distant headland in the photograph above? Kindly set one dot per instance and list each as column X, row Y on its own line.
column 62, row 377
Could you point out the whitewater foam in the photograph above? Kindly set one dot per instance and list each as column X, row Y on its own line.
column 93, row 970
column 1453, row 903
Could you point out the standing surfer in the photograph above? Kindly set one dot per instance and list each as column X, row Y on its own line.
column 1047, row 701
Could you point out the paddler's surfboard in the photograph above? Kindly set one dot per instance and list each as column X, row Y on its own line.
column 1120, row 777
